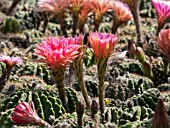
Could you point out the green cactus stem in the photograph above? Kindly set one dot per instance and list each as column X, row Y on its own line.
column 59, row 79
column 62, row 21
column 101, row 63
column 78, row 67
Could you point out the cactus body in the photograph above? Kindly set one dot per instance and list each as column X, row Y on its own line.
column 46, row 102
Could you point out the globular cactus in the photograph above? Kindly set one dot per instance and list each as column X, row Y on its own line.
column 113, row 114
column 136, row 113
column 46, row 102
column 131, row 66
column 120, row 116
column 36, row 69
column 72, row 99
column 137, row 124
column 6, row 119
column 148, row 98
column 127, row 86
column 159, row 76
column 11, row 25
column 91, row 85
column 117, row 91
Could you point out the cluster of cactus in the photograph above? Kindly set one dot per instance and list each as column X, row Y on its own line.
column 35, row 69
column 91, row 85
column 128, row 115
column 138, row 124
column 159, row 76
column 11, row 25
column 127, row 86
column 117, row 91
column 131, row 66
column 72, row 99
column 135, row 111
column 148, row 98
column 29, row 18
column 46, row 102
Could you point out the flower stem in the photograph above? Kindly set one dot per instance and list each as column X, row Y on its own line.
column 97, row 21
column 115, row 26
column 102, row 63
column 62, row 23
column 135, row 12
column 75, row 21
column 59, row 79
column 160, row 26
column 78, row 67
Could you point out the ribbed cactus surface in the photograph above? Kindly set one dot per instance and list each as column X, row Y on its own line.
column 47, row 103
column 127, row 86
column 36, row 69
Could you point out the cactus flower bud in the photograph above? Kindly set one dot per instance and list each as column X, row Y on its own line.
column 160, row 118
column 132, row 50
column 25, row 113
column 148, row 69
column 80, row 112
column 94, row 108
column 140, row 54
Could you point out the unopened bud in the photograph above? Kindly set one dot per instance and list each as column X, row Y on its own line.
column 160, row 118
column 148, row 69
column 94, row 108
column 132, row 50
column 80, row 112
column 140, row 55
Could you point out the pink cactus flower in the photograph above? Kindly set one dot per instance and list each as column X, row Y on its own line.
column 77, row 4
column 25, row 113
column 102, row 43
column 164, row 43
column 11, row 61
column 58, row 51
column 121, row 11
column 85, row 10
column 52, row 5
column 100, row 6
column 163, row 11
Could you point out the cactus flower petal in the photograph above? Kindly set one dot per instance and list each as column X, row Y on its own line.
column 11, row 61
column 164, row 43
column 58, row 51
column 121, row 11
column 102, row 43
column 162, row 9
column 24, row 113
